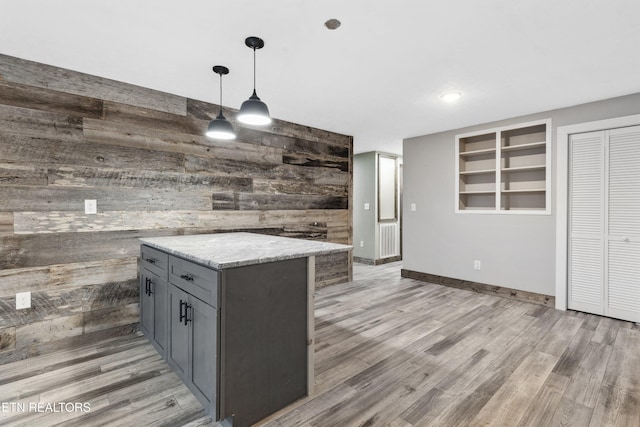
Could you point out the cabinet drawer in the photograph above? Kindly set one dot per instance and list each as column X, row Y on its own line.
column 199, row 281
column 154, row 260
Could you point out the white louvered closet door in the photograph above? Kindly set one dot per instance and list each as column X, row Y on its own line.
column 586, row 222
column 623, row 284
column 604, row 224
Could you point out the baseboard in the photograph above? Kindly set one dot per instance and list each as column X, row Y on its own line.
column 482, row 288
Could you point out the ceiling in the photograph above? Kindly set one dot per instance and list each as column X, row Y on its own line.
column 378, row 77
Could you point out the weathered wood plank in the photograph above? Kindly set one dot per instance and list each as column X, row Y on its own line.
column 330, row 226
column 251, row 201
column 49, row 330
column 155, row 119
column 20, row 95
column 110, row 295
column 144, row 137
column 47, row 347
column 106, row 318
column 39, row 124
column 65, row 222
column 6, row 223
column 72, row 275
column 45, row 150
column 57, row 198
column 7, row 339
column 105, row 177
column 16, row 174
column 333, row 269
column 31, row 73
column 46, row 305
column 310, row 160
column 314, row 176
column 54, row 303
column 281, row 186
column 46, row 249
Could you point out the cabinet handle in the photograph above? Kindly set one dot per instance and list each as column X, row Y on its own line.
column 147, row 286
column 187, row 277
column 183, row 316
column 151, row 260
column 186, row 318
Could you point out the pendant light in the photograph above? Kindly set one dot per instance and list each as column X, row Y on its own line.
column 220, row 128
column 253, row 111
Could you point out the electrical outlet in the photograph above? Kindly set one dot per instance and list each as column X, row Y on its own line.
column 362, row 243
column 90, row 207
column 477, row 265
column 413, row 207
column 23, row 300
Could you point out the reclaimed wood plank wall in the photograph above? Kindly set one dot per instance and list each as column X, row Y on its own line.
column 66, row 137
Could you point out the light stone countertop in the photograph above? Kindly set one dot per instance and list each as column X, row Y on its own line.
column 228, row 250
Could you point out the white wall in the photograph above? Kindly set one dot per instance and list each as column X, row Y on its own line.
column 364, row 191
column 516, row 251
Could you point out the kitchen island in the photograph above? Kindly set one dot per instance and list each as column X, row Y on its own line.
column 233, row 315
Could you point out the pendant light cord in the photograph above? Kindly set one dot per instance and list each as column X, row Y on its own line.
column 254, row 69
column 220, row 94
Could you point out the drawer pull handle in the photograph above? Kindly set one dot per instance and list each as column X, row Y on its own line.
column 183, row 314
column 186, row 317
column 187, row 277
column 184, row 308
column 151, row 260
column 147, row 284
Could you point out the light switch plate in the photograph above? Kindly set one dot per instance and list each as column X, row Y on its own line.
column 23, row 300
column 413, row 207
column 366, row 206
column 90, row 207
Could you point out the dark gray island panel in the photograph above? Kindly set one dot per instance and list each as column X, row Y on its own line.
column 264, row 339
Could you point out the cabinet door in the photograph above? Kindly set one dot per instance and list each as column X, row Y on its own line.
column 159, row 294
column 204, row 336
column 146, row 305
column 178, row 346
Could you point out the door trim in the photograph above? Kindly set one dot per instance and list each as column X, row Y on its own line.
column 562, row 195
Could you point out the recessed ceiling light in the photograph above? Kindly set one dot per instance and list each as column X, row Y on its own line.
column 332, row 24
column 451, row 96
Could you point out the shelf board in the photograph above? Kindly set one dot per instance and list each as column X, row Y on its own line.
column 530, row 190
column 478, row 172
column 479, row 192
column 524, row 146
column 524, row 168
column 478, row 152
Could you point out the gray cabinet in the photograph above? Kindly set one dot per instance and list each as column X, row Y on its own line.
column 192, row 350
column 153, row 297
column 236, row 337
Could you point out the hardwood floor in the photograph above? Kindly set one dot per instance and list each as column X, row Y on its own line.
column 390, row 351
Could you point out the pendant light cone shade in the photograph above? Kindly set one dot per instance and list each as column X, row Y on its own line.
column 253, row 111
column 220, row 128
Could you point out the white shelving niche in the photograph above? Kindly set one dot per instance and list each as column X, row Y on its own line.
column 504, row 170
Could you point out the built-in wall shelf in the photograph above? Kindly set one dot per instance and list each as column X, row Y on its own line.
column 533, row 190
column 478, row 172
column 524, row 146
column 504, row 170
column 478, row 152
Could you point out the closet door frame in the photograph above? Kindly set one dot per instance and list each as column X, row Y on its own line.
column 562, row 194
